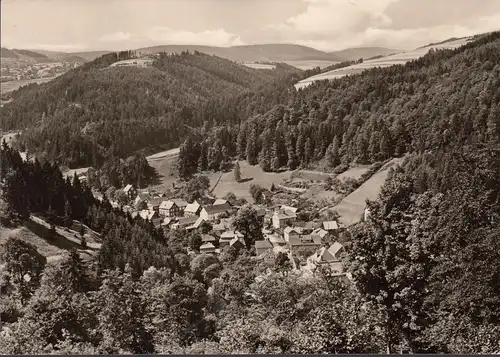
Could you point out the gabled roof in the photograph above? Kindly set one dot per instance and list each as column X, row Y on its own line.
column 192, row 207
column 274, row 238
column 330, row 225
column 289, row 208
column 180, row 202
column 293, row 229
column 231, row 234
column 198, row 222
column 188, row 220
column 205, row 238
column 325, row 255
column 263, row 244
column 335, row 248
column 128, row 188
column 218, row 208
column 219, row 201
column 235, row 241
column 155, row 201
column 207, row 246
column 320, row 231
column 285, row 214
column 167, row 204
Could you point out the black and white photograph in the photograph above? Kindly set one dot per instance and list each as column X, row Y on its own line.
column 219, row 177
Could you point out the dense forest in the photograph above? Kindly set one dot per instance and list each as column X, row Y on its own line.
column 447, row 98
column 93, row 113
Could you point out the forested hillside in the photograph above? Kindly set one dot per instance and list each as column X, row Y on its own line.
column 448, row 98
column 94, row 112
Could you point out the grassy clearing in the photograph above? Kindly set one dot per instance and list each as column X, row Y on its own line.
column 305, row 65
column 352, row 207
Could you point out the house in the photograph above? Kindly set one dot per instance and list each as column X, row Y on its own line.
column 282, row 218
column 321, row 232
column 211, row 213
column 324, row 257
column 207, row 248
column 196, row 224
column 207, row 238
column 184, row 222
column 289, row 208
column 276, row 240
column 224, row 225
column 169, row 209
column 305, row 243
column 292, row 232
column 237, row 243
column 262, row 246
column 192, row 209
column 154, row 204
column 180, row 203
column 144, row 214
column 330, row 226
column 131, row 191
column 337, row 250
column 220, row 201
column 228, row 236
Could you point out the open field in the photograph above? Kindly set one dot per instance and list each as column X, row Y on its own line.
column 6, row 87
column 72, row 172
column 354, row 172
column 250, row 175
column 139, row 62
column 352, row 207
column 260, row 65
column 398, row 58
column 310, row 64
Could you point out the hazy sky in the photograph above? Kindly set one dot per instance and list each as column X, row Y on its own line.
column 76, row 25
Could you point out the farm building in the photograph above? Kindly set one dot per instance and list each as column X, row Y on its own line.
column 282, row 218
column 262, row 246
column 169, row 209
column 192, row 209
column 211, row 213
column 207, row 248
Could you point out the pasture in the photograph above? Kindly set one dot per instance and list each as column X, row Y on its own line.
column 352, row 207
column 259, row 65
column 310, row 64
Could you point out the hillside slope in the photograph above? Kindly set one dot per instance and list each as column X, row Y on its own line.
column 94, row 111
column 387, row 61
column 355, row 53
column 250, row 53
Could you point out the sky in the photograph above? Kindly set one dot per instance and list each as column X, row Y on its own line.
column 327, row 25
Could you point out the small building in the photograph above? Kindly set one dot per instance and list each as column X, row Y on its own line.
column 293, row 232
column 180, row 203
column 337, row 250
column 192, row 209
column 168, row 221
column 305, row 243
column 228, row 236
column 169, row 209
column 262, row 246
column 289, row 208
column 282, row 218
column 140, row 198
column 196, row 224
column 131, row 191
column 330, row 226
column 276, row 240
column 211, row 213
column 320, row 232
column 184, row 222
column 208, row 248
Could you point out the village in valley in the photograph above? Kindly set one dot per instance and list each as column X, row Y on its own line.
column 308, row 244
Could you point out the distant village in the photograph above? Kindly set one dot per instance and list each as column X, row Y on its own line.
column 23, row 71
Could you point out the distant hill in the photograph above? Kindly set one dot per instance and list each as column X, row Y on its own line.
column 94, row 111
column 73, row 57
column 353, row 54
column 22, row 54
column 250, row 53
